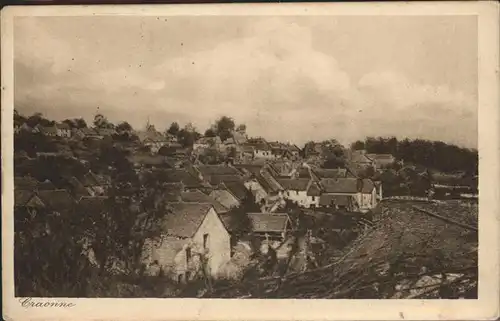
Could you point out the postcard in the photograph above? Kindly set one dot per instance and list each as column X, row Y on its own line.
column 314, row 161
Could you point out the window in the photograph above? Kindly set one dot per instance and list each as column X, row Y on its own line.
column 179, row 278
column 205, row 241
column 188, row 255
column 188, row 276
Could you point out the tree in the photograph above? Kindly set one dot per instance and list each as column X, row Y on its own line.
column 100, row 121
column 124, row 127
column 210, row 133
column 240, row 223
column 173, row 129
column 358, row 145
column 224, row 127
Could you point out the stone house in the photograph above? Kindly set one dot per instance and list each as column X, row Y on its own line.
column 363, row 190
column 194, row 242
column 63, row 130
column 295, row 190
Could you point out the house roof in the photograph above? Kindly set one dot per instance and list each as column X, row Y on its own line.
column 106, row 131
column 46, row 185
column 358, row 156
column 63, row 126
column 223, row 196
column 77, row 187
column 209, row 170
column 341, row 200
column 339, row 185
column 347, row 185
column 268, row 182
column 217, row 179
column 21, row 197
column 25, row 182
column 249, row 168
column 248, row 149
column 92, row 179
column 294, row 184
column 199, row 197
column 263, row 222
column 330, row 173
column 57, row 199
column 88, row 131
column 185, row 218
column 180, row 175
column 48, row 129
column 314, row 190
column 238, row 189
column 93, row 203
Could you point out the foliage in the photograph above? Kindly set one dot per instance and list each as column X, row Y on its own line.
column 124, row 127
column 173, row 129
column 210, row 133
column 431, row 154
column 224, row 127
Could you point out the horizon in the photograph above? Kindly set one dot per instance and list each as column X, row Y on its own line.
column 293, row 79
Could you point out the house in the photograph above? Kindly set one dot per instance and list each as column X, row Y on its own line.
column 86, row 133
column 381, row 161
column 258, row 192
column 225, row 197
column 363, row 190
column 330, row 173
column 359, row 158
column 209, row 171
column 150, row 161
column 197, row 196
column 25, row 183
column 63, row 130
column 194, row 242
column 77, row 189
column 103, row 132
column 271, row 226
column 27, row 200
column 95, row 184
column 50, row 131
column 207, row 142
column 339, row 202
column 155, row 144
column 189, row 180
column 59, row 200
column 313, row 195
column 295, row 190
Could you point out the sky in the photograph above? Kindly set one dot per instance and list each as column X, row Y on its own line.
column 288, row 78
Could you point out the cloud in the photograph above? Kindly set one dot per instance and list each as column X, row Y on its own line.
column 272, row 77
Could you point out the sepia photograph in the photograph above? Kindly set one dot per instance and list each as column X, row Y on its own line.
column 245, row 156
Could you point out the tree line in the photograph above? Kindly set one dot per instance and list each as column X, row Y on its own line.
column 435, row 155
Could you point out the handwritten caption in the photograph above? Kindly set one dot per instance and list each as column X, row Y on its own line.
column 41, row 303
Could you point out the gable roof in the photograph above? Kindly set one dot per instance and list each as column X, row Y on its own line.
column 25, row 182
column 330, row 173
column 238, row 189
column 217, row 179
column 209, row 170
column 199, row 197
column 77, row 187
column 93, row 203
column 294, row 184
column 314, row 189
column 268, row 182
column 22, row 197
column 339, row 185
column 226, row 198
column 185, row 218
column 347, row 185
column 263, row 222
column 45, row 185
column 359, row 156
column 58, row 199
column 181, row 176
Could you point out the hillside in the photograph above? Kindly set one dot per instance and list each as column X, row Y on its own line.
column 405, row 255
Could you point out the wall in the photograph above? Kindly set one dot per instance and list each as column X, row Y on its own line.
column 219, row 246
column 263, row 154
column 299, row 197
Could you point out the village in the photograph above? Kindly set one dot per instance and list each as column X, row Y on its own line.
column 211, row 214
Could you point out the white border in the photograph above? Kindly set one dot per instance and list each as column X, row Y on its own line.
column 486, row 307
